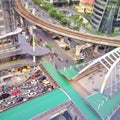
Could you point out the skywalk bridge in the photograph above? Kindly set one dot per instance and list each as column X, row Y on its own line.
column 108, row 66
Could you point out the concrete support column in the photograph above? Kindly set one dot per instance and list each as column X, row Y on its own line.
column 96, row 48
column 51, row 1
column 68, row 1
column 77, row 50
column 30, row 28
column 21, row 21
column 62, row 40
column 26, row 5
column 33, row 11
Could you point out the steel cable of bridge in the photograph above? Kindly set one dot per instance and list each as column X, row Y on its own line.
column 63, row 30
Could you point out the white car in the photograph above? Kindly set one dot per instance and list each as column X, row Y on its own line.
column 32, row 94
column 61, row 59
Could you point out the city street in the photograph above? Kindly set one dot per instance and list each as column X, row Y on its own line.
column 41, row 13
column 60, row 57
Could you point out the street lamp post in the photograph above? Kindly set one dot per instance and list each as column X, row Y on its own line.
column 34, row 58
column 41, row 9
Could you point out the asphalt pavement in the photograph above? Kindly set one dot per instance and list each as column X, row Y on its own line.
column 41, row 13
column 60, row 58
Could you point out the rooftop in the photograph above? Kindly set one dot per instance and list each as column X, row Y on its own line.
column 69, row 72
column 31, row 108
column 88, row 2
column 85, row 110
column 103, row 105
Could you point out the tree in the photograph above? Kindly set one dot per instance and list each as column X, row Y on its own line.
column 76, row 28
column 52, row 12
column 48, row 46
column 75, row 17
column 37, row 2
column 63, row 20
column 47, row 6
column 35, row 40
column 80, row 21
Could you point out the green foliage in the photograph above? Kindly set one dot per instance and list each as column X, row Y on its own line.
column 62, row 12
column 80, row 20
column 63, row 20
column 68, row 22
column 47, row 6
column 75, row 17
column 52, row 12
column 79, row 61
column 35, row 40
column 37, row 2
column 59, row 15
column 48, row 46
column 76, row 28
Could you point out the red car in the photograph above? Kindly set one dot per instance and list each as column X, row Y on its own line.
column 41, row 40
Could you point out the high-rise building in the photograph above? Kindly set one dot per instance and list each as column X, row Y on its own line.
column 106, row 15
column 7, row 20
column 12, row 44
column 8, row 30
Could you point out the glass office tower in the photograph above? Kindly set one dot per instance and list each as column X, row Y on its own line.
column 106, row 15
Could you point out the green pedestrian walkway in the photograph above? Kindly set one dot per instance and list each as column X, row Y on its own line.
column 69, row 72
column 35, row 107
column 104, row 105
column 77, row 100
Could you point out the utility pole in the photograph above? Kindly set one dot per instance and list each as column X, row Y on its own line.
column 34, row 58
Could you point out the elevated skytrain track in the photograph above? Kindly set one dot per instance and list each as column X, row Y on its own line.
column 19, row 7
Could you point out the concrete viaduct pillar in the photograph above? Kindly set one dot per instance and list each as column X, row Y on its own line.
column 33, row 11
column 21, row 21
column 96, row 48
column 31, row 28
column 26, row 5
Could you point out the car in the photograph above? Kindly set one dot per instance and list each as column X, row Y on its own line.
column 1, row 92
column 82, row 57
column 56, row 55
column 41, row 40
column 25, row 99
column 26, row 86
column 35, row 75
column 13, row 96
column 39, row 72
column 51, row 86
column 35, row 88
column 49, row 89
column 45, row 82
column 60, row 59
column 5, row 95
column 39, row 91
column 26, row 92
column 19, row 99
column 32, row 94
column 33, row 81
column 10, row 103
column 1, row 101
column 42, row 78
